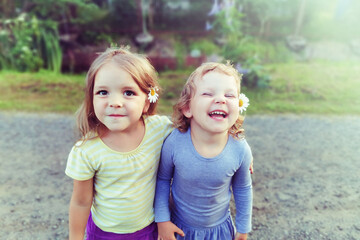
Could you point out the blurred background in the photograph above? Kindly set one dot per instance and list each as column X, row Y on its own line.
column 296, row 56
column 300, row 61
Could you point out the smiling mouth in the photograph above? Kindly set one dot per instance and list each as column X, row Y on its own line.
column 218, row 114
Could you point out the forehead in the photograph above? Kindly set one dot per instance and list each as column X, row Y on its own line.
column 111, row 73
column 216, row 78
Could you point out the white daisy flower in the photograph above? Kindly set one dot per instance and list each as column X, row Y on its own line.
column 243, row 102
column 153, row 96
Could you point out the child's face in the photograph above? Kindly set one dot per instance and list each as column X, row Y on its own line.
column 214, row 108
column 118, row 101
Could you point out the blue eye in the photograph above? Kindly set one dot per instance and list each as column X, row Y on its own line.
column 129, row 93
column 102, row 92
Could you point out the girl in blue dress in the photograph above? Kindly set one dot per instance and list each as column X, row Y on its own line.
column 204, row 160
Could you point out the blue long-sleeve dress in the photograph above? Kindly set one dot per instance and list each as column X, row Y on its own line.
column 201, row 187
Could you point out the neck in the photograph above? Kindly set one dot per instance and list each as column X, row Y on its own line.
column 124, row 141
column 208, row 144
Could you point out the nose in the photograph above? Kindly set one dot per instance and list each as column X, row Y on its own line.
column 220, row 99
column 116, row 101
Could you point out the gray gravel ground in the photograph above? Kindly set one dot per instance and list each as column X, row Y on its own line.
column 306, row 180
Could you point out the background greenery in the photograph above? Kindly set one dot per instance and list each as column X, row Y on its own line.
column 300, row 88
column 38, row 36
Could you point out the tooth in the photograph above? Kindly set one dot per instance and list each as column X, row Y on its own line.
column 218, row 113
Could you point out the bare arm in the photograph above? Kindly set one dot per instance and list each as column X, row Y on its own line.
column 80, row 205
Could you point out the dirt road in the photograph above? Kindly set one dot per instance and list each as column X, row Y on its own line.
column 306, row 180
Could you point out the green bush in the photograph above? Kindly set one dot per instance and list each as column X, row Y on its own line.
column 245, row 54
column 180, row 53
column 28, row 44
column 256, row 76
column 205, row 46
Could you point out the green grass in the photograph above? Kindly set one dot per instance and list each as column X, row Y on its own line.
column 43, row 91
column 327, row 88
column 312, row 88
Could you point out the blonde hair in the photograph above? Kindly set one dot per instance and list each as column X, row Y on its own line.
column 180, row 121
column 138, row 66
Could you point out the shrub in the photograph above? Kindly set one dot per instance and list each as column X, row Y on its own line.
column 205, row 46
column 28, row 44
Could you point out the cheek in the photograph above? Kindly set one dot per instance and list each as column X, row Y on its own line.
column 98, row 105
column 95, row 104
column 234, row 104
column 146, row 106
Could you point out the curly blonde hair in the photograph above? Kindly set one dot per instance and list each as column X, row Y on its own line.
column 138, row 66
column 180, row 121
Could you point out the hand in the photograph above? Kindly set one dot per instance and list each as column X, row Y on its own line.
column 252, row 166
column 167, row 231
column 240, row 236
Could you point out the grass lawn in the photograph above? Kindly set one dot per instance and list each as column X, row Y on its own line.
column 315, row 88
column 327, row 88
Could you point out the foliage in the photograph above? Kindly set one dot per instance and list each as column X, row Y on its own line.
column 269, row 19
column 205, row 46
column 30, row 31
column 256, row 75
column 247, row 32
column 228, row 23
column 323, row 19
column 239, row 48
column 71, row 16
column 28, row 44
column 332, row 19
column 250, row 47
column 181, row 15
column 180, row 53
column 246, row 56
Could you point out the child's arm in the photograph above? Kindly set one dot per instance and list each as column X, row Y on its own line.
column 242, row 190
column 80, row 205
column 167, row 230
column 241, row 236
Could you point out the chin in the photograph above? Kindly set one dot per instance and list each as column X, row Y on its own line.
column 219, row 131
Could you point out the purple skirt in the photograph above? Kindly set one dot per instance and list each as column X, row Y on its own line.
column 93, row 232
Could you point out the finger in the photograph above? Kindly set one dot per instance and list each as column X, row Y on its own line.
column 180, row 232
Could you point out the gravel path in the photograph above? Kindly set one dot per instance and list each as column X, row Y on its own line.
column 306, row 180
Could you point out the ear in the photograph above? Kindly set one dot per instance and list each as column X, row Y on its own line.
column 146, row 106
column 187, row 112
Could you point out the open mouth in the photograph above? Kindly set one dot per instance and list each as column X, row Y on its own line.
column 218, row 114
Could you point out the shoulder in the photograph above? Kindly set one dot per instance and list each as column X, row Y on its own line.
column 240, row 144
column 176, row 135
column 175, row 144
column 86, row 146
column 241, row 148
column 175, row 138
column 83, row 160
column 88, row 143
column 157, row 119
column 160, row 124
